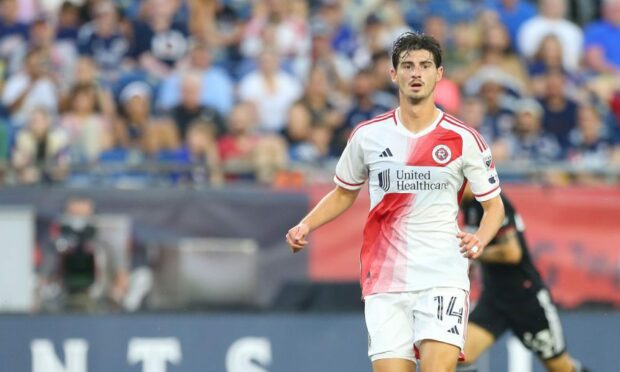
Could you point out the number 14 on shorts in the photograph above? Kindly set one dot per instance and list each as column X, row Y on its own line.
column 449, row 311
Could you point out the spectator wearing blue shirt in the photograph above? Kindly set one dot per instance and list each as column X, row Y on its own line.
column 13, row 33
column 560, row 112
column 161, row 42
column 365, row 107
column 217, row 89
column 102, row 40
column 602, row 40
column 513, row 13
column 529, row 143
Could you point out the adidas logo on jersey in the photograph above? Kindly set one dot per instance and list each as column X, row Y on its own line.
column 454, row 330
column 386, row 153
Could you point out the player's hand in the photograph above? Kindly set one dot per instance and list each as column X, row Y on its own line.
column 470, row 245
column 296, row 237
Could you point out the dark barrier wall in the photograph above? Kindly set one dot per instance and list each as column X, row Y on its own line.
column 242, row 343
column 573, row 235
column 161, row 216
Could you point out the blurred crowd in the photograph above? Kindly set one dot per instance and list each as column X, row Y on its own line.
column 210, row 92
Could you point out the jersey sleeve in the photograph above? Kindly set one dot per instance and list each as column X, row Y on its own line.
column 351, row 170
column 479, row 168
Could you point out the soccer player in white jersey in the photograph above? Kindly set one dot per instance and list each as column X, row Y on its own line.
column 414, row 260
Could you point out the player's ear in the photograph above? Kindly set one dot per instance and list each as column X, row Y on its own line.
column 439, row 73
column 393, row 75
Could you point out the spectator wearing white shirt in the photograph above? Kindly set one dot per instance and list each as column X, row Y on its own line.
column 551, row 21
column 31, row 88
column 272, row 90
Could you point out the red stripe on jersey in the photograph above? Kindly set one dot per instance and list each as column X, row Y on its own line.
column 486, row 193
column 481, row 144
column 472, row 130
column 349, row 184
column 421, row 149
column 374, row 120
column 382, row 235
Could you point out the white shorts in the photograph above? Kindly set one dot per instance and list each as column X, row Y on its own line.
column 399, row 321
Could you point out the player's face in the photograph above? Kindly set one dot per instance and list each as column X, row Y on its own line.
column 416, row 75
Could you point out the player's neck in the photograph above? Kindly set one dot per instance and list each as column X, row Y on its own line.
column 418, row 117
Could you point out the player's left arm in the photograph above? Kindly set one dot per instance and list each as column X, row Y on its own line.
column 473, row 245
column 479, row 169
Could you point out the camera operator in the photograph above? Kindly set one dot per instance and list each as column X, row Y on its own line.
column 79, row 272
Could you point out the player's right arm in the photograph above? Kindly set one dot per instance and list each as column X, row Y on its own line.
column 351, row 174
column 331, row 206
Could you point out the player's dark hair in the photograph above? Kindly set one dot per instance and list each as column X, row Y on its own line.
column 410, row 41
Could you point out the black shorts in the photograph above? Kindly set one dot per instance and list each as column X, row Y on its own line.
column 534, row 321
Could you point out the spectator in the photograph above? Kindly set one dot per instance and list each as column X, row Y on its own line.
column 592, row 146
column 90, row 133
column 339, row 68
column 551, row 21
column 13, row 33
column 364, row 108
column 560, row 112
column 318, row 100
column 137, row 130
column 248, row 154
column 386, row 92
column 68, row 22
column 217, row 89
column 473, row 113
column 219, row 25
column 79, row 271
column 548, row 57
column 602, row 53
column 307, row 143
column 278, row 24
column 342, row 36
column 87, row 72
column 272, row 90
column 513, row 13
column 529, row 144
column 497, row 52
column 102, row 40
column 494, row 89
column 40, row 153
column 190, row 107
column 197, row 161
column 61, row 55
column 31, row 88
column 374, row 37
column 160, row 42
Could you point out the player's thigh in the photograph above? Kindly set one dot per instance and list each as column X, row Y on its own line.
column 561, row 363
column 477, row 341
column 440, row 316
column 438, row 356
column 393, row 365
column 537, row 324
column 389, row 320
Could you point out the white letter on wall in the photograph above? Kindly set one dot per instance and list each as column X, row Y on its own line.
column 244, row 352
column 44, row 358
column 154, row 353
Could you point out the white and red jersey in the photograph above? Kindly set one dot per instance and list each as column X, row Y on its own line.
column 415, row 182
